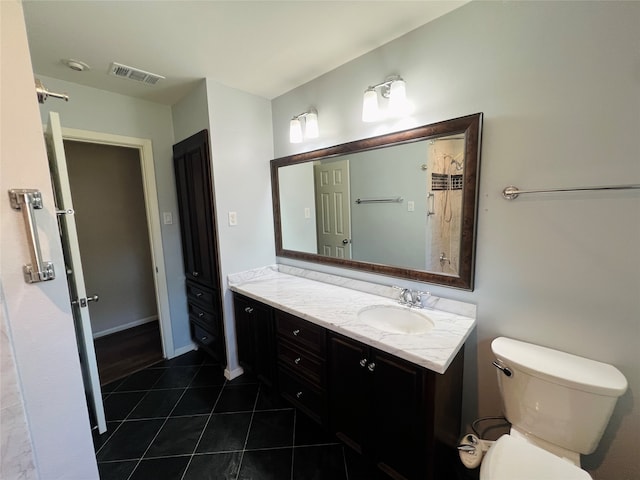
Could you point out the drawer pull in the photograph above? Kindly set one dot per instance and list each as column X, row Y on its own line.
column 195, row 274
column 201, row 314
column 371, row 366
column 199, row 294
column 296, row 332
column 299, row 395
column 248, row 309
column 363, row 362
column 204, row 338
column 297, row 361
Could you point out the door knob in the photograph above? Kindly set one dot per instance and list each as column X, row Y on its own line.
column 93, row 298
column 345, row 241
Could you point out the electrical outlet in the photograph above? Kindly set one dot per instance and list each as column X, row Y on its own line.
column 167, row 218
column 233, row 219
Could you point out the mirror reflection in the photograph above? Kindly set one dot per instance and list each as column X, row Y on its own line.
column 400, row 204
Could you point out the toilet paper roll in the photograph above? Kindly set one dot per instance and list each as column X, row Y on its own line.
column 470, row 451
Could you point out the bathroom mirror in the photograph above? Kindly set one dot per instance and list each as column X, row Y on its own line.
column 401, row 204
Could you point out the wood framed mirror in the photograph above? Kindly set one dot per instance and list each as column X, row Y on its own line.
column 402, row 204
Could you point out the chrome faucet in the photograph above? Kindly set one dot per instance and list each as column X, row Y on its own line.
column 411, row 298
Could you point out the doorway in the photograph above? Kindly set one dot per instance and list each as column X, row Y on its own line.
column 111, row 218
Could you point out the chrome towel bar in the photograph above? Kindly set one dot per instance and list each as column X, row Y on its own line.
column 28, row 200
column 379, row 200
column 511, row 192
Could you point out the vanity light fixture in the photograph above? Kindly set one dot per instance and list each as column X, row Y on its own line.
column 310, row 126
column 393, row 89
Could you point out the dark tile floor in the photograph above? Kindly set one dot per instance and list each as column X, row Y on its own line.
column 181, row 420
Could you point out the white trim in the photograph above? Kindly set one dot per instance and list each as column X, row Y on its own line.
column 126, row 326
column 182, row 350
column 231, row 374
column 153, row 218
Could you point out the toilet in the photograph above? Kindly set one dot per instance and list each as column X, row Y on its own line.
column 558, row 405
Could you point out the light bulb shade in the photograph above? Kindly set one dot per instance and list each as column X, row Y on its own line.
column 295, row 131
column 397, row 98
column 311, row 125
column 370, row 111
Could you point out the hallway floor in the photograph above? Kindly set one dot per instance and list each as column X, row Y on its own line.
column 181, row 420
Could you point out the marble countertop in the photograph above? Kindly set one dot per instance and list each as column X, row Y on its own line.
column 336, row 307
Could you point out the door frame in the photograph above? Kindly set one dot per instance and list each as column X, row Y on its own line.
column 144, row 147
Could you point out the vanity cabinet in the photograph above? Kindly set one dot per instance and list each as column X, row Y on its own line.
column 403, row 418
column 301, row 348
column 255, row 337
column 199, row 242
column 393, row 412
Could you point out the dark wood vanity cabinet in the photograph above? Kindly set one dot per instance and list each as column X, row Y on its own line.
column 255, row 338
column 393, row 412
column 404, row 418
column 194, row 186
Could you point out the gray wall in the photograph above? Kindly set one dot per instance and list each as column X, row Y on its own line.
column 105, row 112
column 389, row 232
column 558, row 85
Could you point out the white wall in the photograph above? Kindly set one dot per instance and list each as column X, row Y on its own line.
column 241, row 147
column 106, row 112
column 38, row 338
column 559, row 87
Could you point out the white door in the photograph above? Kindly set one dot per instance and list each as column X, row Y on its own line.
column 333, row 216
column 75, row 278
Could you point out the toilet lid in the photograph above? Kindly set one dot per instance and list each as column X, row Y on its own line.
column 514, row 458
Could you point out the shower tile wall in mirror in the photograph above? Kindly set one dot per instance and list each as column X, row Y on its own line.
column 401, row 204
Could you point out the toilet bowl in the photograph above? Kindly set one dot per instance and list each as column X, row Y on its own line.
column 558, row 405
column 513, row 458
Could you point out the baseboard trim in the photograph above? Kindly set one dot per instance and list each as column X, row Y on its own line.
column 182, row 350
column 231, row 374
column 126, row 326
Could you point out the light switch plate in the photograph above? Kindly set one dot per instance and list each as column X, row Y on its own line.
column 233, row 219
column 411, row 206
column 167, row 218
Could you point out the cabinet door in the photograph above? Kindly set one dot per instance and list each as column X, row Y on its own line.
column 195, row 203
column 255, row 337
column 348, row 390
column 397, row 416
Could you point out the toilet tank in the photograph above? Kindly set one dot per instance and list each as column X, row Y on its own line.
column 558, row 397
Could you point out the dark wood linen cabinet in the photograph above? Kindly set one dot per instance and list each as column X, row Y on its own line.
column 194, row 185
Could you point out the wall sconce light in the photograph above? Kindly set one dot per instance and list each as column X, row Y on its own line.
column 310, row 126
column 393, row 89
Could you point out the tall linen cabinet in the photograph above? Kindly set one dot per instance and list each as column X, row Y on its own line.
column 196, row 204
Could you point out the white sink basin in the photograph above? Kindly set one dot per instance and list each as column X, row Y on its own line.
column 396, row 319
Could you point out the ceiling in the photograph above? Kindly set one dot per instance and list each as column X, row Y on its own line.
column 262, row 47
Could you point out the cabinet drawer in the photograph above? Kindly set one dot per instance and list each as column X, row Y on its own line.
column 301, row 394
column 202, row 337
column 299, row 361
column 201, row 295
column 301, row 332
column 203, row 316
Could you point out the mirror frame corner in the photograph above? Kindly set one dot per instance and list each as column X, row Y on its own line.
column 471, row 127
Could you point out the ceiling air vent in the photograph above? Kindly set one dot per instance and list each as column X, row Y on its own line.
column 122, row 71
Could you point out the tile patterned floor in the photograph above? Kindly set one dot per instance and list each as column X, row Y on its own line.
column 181, row 420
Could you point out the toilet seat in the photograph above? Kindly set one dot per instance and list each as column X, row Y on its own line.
column 512, row 458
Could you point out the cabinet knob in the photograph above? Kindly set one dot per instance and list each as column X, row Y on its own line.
column 195, row 274
column 296, row 332
column 248, row 309
column 201, row 314
column 199, row 294
column 297, row 361
column 299, row 395
column 204, row 338
column 371, row 366
column 363, row 362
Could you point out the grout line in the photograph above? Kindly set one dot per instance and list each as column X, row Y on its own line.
column 246, row 440
column 206, row 424
column 163, row 423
